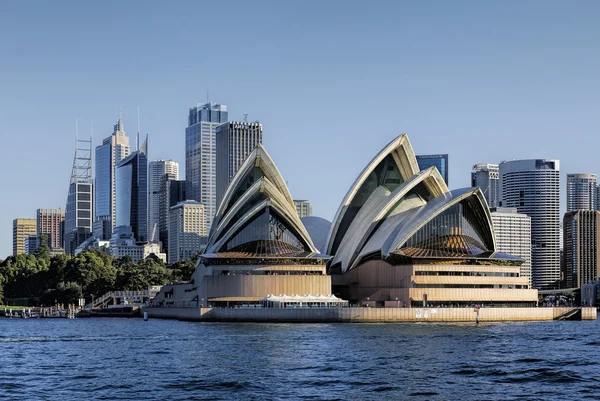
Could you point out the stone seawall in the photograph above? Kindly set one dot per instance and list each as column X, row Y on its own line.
column 365, row 315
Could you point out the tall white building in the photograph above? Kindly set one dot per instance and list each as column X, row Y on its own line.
column 485, row 176
column 113, row 150
column 187, row 230
column 156, row 171
column 513, row 235
column 201, row 154
column 533, row 187
column 581, row 192
column 235, row 141
column 303, row 207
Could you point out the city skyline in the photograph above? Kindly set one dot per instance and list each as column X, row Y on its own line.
column 442, row 103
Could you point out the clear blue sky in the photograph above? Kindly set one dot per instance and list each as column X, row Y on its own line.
column 331, row 81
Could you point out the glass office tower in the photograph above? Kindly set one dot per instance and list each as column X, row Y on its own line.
column 439, row 161
column 132, row 193
column 200, row 155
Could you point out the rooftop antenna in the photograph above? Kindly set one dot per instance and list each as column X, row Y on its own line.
column 82, row 162
column 246, row 117
column 207, row 97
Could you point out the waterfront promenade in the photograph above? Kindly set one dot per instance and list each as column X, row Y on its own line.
column 370, row 315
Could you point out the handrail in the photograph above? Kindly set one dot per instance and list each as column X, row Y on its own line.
column 117, row 294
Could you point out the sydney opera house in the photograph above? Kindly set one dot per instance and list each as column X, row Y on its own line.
column 257, row 247
column 400, row 238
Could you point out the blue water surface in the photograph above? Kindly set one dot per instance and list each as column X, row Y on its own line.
column 129, row 359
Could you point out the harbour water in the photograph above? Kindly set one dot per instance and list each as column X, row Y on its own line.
column 129, row 359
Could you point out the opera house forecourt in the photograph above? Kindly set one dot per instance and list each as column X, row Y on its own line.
column 402, row 247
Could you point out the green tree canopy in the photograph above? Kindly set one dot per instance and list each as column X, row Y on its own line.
column 43, row 250
column 141, row 275
column 183, row 270
column 93, row 271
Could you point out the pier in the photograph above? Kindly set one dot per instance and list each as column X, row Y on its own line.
column 59, row 311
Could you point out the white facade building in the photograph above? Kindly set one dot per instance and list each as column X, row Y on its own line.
column 187, row 230
column 303, row 207
column 156, row 171
column 513, row 235
column 123, row 243
column 533, row 187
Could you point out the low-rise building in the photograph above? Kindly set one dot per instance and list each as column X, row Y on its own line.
column 123, row 243
column 590, row 293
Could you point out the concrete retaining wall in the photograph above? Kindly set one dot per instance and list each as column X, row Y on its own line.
column 363, row 315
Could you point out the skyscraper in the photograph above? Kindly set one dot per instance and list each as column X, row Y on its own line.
column 113, row 149
column 79, row 210
column 132, row 193
column 235, row 141
column 581, row 192
column 172, row 192
column 187, row 231
column 303, row 207
column 439, row 161
column 156, row 171
column 22, row 228
column 485, row 176
column 200, row 154
column 51, row 223
column 581, row 250
column 513, row 235
column 533, row 187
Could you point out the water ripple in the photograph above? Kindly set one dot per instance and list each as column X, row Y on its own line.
column 128, row 359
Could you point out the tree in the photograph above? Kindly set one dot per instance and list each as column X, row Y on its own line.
column 65, row 293
column 183, row 270
column 141, row 275
column 56, row 269
column 24, row 276
column 93, row 271
column 43, row 250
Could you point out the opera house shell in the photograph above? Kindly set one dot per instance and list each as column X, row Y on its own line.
column 257, row 246
column 401, row 238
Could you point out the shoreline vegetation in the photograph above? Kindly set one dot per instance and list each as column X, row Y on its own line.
column 42, row 279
